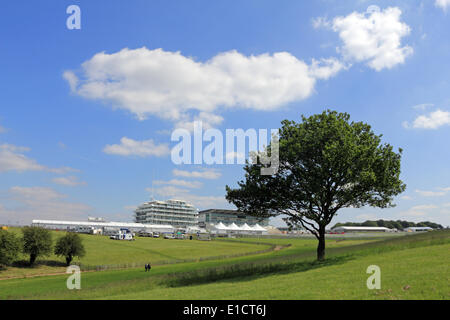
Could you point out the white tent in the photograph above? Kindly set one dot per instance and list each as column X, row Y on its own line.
column 246, row 227
column 258, row 229
column 220, row 228
column 234, row 227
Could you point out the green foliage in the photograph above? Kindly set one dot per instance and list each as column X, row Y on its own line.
column 36, row 242
column 70, row 246
column 326, row 163
column 399, row 224
column 369, row 224
column 9, row 247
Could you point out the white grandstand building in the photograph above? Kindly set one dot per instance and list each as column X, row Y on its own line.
column 73, row 225
column 176, row 213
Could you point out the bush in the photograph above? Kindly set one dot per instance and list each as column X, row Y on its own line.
column 69, row 246
column 9, row 247
column 36, row 242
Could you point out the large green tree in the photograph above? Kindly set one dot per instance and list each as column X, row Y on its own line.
column 69, row 246
column 326, row 163
column 36, row 242
column 9, row 247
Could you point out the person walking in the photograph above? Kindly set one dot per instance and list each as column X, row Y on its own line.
column 146, row 267
column 149, row 267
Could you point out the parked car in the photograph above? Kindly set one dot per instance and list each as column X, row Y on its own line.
column 155, row 235
column 145, row 234
column 169, row 236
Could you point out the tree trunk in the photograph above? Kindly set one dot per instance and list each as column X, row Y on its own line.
column 321, row 246
column 32, row 259
column 68, row 259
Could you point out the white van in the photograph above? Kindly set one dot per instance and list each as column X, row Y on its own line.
column 123, row 234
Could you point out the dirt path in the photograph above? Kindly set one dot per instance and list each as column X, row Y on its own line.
column 42, row 275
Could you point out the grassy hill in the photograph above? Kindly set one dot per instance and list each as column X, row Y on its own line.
column 418, row 273
column 412, row 267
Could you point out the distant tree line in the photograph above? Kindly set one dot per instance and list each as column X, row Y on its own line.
column 37, row 242
column 391, row 224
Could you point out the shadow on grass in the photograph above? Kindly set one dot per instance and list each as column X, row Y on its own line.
column 248, row 271
column 47, row 263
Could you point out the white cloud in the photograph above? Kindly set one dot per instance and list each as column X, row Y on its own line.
column 204, row 174
column 172, row 86
column 366, row 216
column 411, row 213
column 373, row 37
column 431, row 193
column 433, row 120
column 406, row 198
column 441, row 192
column 208, row 121
column 30, row 195
column 62, row 170
column 2, row 129
column 326, row 68
column 423, row 106
column 40, row 203
column 233, row 156
column 13, row 159
column 424, row 207
column 418, row 211
column 321, row 22
column 444, row 4
column 130, row 207
column 70, row 181
column 72, row 79
column 130, row 147
column 406, row 125
column 180, row 183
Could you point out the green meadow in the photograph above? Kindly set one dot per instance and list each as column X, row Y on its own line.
column 412, row 267
column 103, row 253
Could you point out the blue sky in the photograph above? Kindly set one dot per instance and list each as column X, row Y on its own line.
column 86, row 115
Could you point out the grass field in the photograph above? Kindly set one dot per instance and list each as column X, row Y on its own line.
column 104, row 253
column 344, row 280
column 412, row 267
